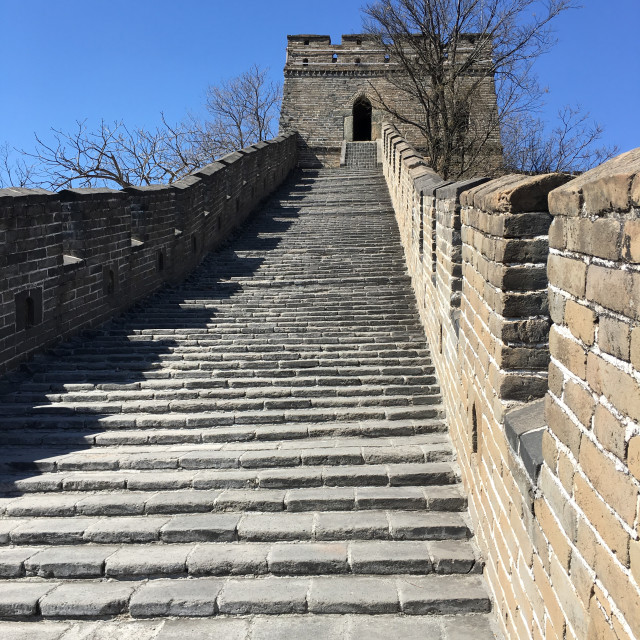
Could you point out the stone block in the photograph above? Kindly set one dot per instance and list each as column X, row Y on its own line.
column 443, row 595
column 74, row 600
column 80, row 561
column 312, row 558
column 210, row 527
column 389, row 557
column 267, row 595
column 121, row 530
column 205, row 629
column 188, row 598
column 21, row 598
column 150, row 560
column 350, row 594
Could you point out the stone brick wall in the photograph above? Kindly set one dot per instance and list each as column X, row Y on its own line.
column 592, row 448
column 555, row 507
column 71, row 260
column 322, row 81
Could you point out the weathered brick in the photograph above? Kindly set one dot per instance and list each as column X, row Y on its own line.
column 568, row 352
column 602, row 519
column 580, row 401
column 581, row 321
column 614, row 289
column 633, row 456
column 614, row 337
column 631, row 238
column 567, row 274
column 609, row 431
column 615, row 487
column 616, row 385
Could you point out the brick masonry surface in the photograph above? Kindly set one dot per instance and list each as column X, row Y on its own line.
column 71, row 260
column 528, row 292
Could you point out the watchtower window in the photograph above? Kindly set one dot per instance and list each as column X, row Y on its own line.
column 357, row 60
column 334, row 58
column 29, row 312
column 359, row 41
column 194, row 243
column 111, row 283
column 362, row 119
column 387, row 57
column 306, row 42
column 160, row 261
column 473, row 434
column 305, row 61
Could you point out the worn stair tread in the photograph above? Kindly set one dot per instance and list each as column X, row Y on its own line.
column 233, row 526
column 310, row 498
column 145, row 433
column 229, row 455
column 349, row 594
column 367, row 557
column 396, row 474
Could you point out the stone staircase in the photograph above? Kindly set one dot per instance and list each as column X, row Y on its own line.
column 361, row 155
column 259, row 452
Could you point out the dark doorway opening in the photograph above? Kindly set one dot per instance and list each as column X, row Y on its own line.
column 362, row 119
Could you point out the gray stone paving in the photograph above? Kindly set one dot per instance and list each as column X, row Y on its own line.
column 257, row 453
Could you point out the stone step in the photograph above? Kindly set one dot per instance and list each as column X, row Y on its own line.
column 133, row 561
column 236, row 526
column 175, row 389
column 148, row 414
column 370, row 493
column 80, row 431
column 396, row 475
column 262, row 627
column 286, row 453
column 112, row 380
column 271, row 595
column 173, row 403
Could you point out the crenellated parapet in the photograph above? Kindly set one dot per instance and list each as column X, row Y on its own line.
column 73, row 259
column 527, row 287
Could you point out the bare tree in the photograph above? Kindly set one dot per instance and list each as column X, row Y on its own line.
column 572, row 145
column 451, row 54
column 244, row 109
column 14, row 171
column 114, row 154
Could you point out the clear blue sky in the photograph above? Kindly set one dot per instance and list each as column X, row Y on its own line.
column 62, row 60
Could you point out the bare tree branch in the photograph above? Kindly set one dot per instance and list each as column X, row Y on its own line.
column 570, row 147
column 452, row 55
column 243, row 111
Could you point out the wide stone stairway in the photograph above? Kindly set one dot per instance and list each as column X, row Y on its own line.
column 257, row 453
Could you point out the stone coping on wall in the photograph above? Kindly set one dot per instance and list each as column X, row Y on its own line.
column 613, row 186
column 514, row 193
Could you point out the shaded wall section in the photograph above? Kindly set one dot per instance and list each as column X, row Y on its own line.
column 73, row 259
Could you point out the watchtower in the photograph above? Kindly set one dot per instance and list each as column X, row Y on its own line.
column 331, row 95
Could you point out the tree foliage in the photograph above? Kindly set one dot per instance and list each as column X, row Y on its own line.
column 451, row 54
column 241, row 112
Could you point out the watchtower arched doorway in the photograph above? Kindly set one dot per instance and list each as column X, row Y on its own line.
column 362, row 119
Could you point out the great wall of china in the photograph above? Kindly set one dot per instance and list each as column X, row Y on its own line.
column 356, row 401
